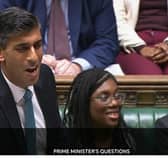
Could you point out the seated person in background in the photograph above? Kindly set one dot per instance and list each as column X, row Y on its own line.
column 27, row 99
column 89, row 33
column 162, row 135
column 94, row 103
column 143, row 34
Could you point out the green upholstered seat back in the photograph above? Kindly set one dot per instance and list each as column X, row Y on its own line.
column 142, row 117
column 139, row 117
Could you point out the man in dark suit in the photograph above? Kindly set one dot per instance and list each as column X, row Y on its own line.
column 162, row 135
column 21, row 70
column 91, row 29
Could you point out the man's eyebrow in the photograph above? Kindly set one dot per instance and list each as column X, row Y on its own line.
column 22, row 45
column 27, row 44
column 38, row 41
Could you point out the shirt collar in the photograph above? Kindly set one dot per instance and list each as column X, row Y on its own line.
column 17, row 92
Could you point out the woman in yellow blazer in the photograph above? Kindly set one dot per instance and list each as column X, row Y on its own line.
column 143, row 33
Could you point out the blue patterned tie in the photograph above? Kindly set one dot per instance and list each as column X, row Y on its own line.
column 30, row 131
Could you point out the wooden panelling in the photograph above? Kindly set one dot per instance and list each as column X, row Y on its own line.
column 139, row 90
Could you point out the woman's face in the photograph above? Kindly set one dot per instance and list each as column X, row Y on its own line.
column 105, row 105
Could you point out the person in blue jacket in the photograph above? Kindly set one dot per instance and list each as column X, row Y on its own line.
column 91, row 29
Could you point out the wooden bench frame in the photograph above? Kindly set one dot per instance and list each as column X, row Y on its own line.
column 140, row 90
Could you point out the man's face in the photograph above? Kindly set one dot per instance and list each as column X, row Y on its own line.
column 21, row 58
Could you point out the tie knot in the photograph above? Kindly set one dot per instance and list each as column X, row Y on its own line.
column 28, row 95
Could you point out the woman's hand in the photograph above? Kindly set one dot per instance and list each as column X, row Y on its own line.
column 158, row 53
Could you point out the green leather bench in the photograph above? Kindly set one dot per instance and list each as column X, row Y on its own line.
column 144, row 117
column 142, row 120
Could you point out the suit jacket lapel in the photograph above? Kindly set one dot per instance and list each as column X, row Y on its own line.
column 9, row 104
column 43, row 99
column 14, row 121
column 10, row 111
column 74, row 12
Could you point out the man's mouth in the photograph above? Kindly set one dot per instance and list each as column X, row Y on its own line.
column 32, row 69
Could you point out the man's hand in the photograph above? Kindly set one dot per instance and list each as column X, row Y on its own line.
column 66, row 67
column 61, row 67
column 50, row 61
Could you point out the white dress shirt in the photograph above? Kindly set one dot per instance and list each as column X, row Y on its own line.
column 18, row 94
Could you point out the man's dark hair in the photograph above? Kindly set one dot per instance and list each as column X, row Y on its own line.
column 15, row 21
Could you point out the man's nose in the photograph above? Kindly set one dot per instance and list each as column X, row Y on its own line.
column 33, row 52
column 33, row 56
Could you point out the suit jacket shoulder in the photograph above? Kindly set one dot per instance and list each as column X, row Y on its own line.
column 161, row 133
column 94, row 38
column 162, row 122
